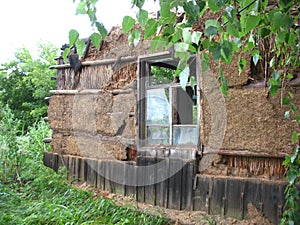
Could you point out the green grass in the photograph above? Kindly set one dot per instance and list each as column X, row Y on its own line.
column 31, row 193
column 49, row 199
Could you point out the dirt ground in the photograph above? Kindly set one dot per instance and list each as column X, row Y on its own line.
column 176, row 216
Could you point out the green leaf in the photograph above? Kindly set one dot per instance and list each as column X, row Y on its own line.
column 127, row 24
column 211, row 27
column 201, row 5
column 192, row 82
column 184, row 76
column 286, row 101
column 73, row 37
column 224, row 84
column 286, row 4
column 177, row 35
column 226, row 51
column 102, row 30
column 81, row 8
column 281, row 36
column 294, row 108
column 142, row 17
column 295, row 154
column 92, row 15
column 272, row 62
column 165, row 9
column 204, row 61
column 211, row 31
column 290, row 76
column 192, row 11
column 276, row 76
column 65, row 54
column 255, row 59
column 187, row 35
column 232, row 30
column 138, row 3
column 251, row 23
column 80, row 47
column 181, row 47
column 151, row 28
column 184, row 57
column 135, row 37
column 273, row 87
column 230, row 13
column 242, row 64
column 291, row 177
column 96, row 39
column 279, row 20
column 292, row 39
column 212, row 4
column 196, row 35
column 264, row 32
column 215, row 49
column 287, row 160
column 251, row 42
column 295, row 137
column 159, row 43
column 167, row 30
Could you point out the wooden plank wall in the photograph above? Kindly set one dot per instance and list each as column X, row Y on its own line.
column 175, row 192
column 226, row 196
column 232, row 196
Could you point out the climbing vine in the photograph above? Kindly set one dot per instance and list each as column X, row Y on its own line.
column 267, row 30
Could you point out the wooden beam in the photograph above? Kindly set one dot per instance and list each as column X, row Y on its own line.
column 246, row 153
column 98, row 62
column 89, row 91
column 63, row 92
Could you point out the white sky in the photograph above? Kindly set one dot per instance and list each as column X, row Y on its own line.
column 24, row 23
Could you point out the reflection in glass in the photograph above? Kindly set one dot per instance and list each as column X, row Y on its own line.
column 157, row 107
column 185, row 135
column 158, row 135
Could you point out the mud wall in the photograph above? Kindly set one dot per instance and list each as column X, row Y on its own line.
column 255, row 121
column 94, row 112
column 245, row 133
column 93, row 125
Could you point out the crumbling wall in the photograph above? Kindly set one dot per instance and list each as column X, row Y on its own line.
column 93, row 112
column 102, row 107
column 255, row 121
column 99, row 125
column 256, row 135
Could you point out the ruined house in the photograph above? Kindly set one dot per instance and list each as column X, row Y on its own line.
column 123, row 123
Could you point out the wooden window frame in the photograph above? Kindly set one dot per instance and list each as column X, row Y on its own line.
column 144, row 63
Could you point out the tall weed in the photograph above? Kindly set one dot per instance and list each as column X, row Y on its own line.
column 9, row 151
column 31, row 193
column 20, row 154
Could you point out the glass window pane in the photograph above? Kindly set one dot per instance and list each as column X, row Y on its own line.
column 185, row 135
column 158, row 106
column 158, row 135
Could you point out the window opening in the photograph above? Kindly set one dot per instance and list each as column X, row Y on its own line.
column 171, row 113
